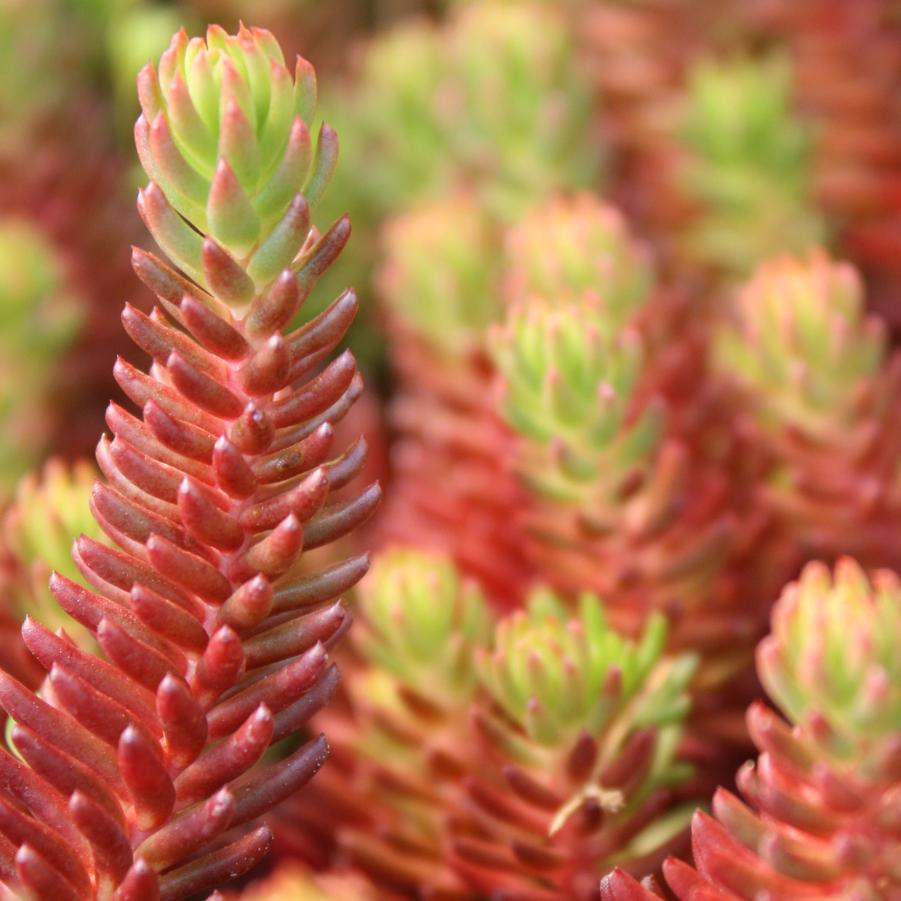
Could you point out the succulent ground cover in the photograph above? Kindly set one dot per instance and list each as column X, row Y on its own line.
column 631, row 624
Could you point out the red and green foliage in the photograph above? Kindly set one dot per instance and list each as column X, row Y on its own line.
column 631, row 371
column 139, row 773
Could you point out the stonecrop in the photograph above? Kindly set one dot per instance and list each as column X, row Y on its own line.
column 820, row 816
column 632, row 626
column 138, row 772
column 40, row 319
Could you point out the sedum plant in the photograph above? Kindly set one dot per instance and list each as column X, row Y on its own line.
column 801, row 345
column 524, row 754
column 857, row 130
column 580, row 728
column 139, row 773
column 570, row 389
column 619, row 502
column 820, row 816
column 421, row 623
column 491, row 101
column 492, row 98
column 575, row 247
column 40, row 318
column 441, row 284
column 813, row 376
column 738, row 130
column 49, row 511
column 821, row 819
column 440, row 274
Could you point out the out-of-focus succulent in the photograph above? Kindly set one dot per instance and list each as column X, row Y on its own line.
column 592, row 433
column 441, row 271
column 36, row 42
column 516, row 105
column 56, row 163
column 580, row 728
column 493, row 100
column 49, row 511
column 39, row 319
column 617, row 505
column 142, row 774
column 579, row 248
column 571, row 359
column 467, row 123
column 422, row 622
column 399, row 83
column 291, row 882
column 452, row 491
column 821, row 819
column 801, row 346
column 570, row 384
column 739, row 131
column 573, row 247
column 845, row 64
column 812, row 371
column 638, row 56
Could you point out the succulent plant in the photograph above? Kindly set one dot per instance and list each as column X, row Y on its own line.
column 225, row 132
column 739, row 129
column 40, row 317
column 618, row 885
column 49, row 511
column 440, row 273
column 139, row 775
column 801, row 345
column 421, row 624
column 672, row 423
column 421, row 621
column 617, row 504
column 294, row 883
column 580, row 728
column 404, row 69
column 571, row 380
column 570, row 354
column 813, row 374
column 637, row 57
column 491, row 101
column 494, row 98
column 857, row 132
column 573, row 247
column 452, row 491
column 459, row 127
column 485, row 756
column 822, row 800
column 519, row 87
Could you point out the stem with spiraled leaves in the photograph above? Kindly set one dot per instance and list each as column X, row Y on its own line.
column 139, row 774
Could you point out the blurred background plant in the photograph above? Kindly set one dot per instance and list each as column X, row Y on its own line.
column 39, row 321
column 637, row 292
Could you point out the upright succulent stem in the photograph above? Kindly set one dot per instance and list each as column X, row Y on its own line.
column 820, row 815
column 139, row 775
